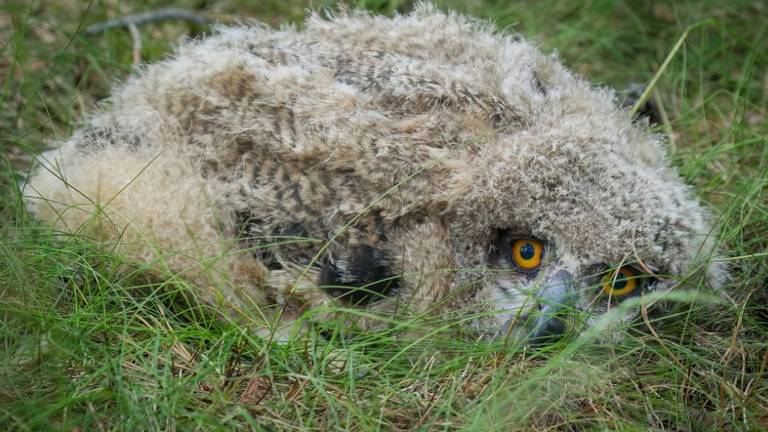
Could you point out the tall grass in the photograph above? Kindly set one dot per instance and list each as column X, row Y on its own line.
column 88, row 341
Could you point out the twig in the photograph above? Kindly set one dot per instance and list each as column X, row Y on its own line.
column 136, row 38
column 644, row 312
column 147, row 17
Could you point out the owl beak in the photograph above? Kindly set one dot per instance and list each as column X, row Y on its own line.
column 556, row 299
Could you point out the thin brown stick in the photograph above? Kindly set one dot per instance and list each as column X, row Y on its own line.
column 644, row 312
column 136, row 39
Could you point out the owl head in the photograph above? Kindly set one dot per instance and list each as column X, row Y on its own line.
column 573, row 215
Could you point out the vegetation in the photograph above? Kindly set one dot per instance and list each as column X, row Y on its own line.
column 86, row 344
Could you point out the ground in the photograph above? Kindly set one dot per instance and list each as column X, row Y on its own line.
column 87, row 345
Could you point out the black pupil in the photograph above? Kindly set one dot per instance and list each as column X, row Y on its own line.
column 619, row 284
column 527, row 251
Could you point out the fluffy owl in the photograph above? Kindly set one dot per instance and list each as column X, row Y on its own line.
column 422, row 163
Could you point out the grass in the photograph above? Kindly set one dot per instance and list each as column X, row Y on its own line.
column 87, row 345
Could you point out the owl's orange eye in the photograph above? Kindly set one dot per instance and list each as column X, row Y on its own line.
column 620, row 283
column 527, row 253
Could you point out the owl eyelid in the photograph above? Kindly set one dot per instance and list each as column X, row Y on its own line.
column 515, row 238
column 603, row 269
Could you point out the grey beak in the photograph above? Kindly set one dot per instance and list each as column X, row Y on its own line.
column 557, row 297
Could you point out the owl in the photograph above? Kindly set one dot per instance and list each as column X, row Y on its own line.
column 418, row 165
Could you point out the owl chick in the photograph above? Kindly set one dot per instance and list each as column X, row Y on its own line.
column 422, row 163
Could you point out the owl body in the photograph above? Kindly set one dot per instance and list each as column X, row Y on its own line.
column 395, row 164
